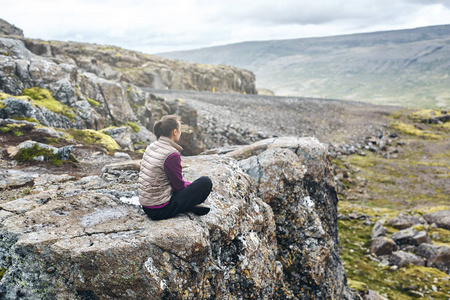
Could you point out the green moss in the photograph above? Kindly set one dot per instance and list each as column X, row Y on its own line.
column 18, row 133
column 44, row 98
column 28, row 155
column 93, row 102
column 2, row 106
column 5, row 129
column 134, row 126
column 358, row 286
column 424, row 114
column 2, row 272
column 26, row 119
column 412, row 130
column 90, row 136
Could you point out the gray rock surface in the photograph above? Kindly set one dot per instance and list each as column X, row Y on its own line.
column 86, row 239
column 94, row 102
column 440, row 218
column 403, row 258
column 410, row 236
column 382, row 246
column 302, row 196
column 9, row 29
column 404, row 221
column 378, row 229
column 436, row 256
column 121, row 65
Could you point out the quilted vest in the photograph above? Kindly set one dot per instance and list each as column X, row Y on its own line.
column 154, row 184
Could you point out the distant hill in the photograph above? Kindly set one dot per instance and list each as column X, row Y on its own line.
column 403, row 67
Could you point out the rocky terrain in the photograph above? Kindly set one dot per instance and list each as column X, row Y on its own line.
column 402, row 67
column 270, row 234
column 70, row 144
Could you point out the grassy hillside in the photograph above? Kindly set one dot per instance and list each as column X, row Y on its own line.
column 405, row 67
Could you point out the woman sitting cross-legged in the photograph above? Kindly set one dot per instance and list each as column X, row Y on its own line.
column 162, row 191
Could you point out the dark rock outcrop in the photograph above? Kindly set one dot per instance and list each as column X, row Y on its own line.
column 302, row 196
column 271, row 234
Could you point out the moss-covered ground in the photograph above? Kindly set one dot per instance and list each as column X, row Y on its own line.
column 414, row 181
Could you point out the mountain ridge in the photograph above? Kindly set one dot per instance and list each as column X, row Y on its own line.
column 361, row 66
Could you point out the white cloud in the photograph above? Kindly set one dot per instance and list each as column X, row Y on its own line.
column 158, row 26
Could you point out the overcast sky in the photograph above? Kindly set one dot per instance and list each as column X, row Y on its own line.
column 170, row 25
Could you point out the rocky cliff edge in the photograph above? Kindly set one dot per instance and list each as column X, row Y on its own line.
column 271, row 233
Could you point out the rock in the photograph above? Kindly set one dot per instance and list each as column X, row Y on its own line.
column 86, row 242
column 378, row 229
column 436, row 256
column 440, row 218
column 373, row 295
column 402, row 258
column 299, row 201
column 122, row 155
column 382, row 246
column 403, row 221
column 15, row 179
column 8, row 29
column 83, row 100
column 411, row 236
column 62, row 153
column 122, row 135
column 121, row 65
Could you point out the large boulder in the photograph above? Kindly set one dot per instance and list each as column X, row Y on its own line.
column 436, row 256
column 440, row 218
column 403, row 258
column 382, row 246
column 403, row 221
column 295, row 178
column 410, row 236
column 92, row 242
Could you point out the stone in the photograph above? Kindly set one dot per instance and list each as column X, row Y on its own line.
column 402, row 258
column 436, row 256
column 94, row 241
column 122, row 155
column 378, row 229
column 15, row 179
column 297, row 202
column 440, row 218
column 404, row 221
column 121, row 65
column 373, row 295
column 410, row 236
column 383, row 246
column 8, row 29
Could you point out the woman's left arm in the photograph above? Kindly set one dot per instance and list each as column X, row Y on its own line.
column 173, row 169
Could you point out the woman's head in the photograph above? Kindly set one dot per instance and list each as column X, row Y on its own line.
column 166, row 126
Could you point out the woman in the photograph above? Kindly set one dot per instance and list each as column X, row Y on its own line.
column 162, row 191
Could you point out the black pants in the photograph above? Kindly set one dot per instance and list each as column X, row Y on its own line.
column 183, row 201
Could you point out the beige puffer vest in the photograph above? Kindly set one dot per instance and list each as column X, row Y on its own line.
column 154, row 185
